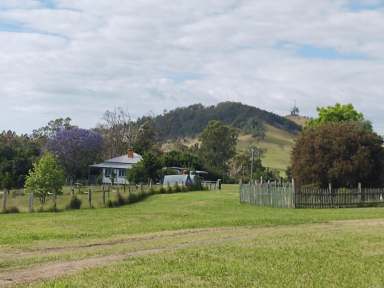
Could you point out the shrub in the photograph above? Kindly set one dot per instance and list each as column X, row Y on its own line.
column 152, row 191
column 185, row 188
column 120, row 200
column 342, row 154
column 177, row 188
column 12, row 210
column 74, row 204
column 132, row 198
column 169, row 189
column 162, row 190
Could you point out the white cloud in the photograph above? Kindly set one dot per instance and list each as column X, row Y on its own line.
column 87, row 56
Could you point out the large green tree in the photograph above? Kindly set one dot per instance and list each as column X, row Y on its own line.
column 339, row 113
column 343, row 154
column 147, row 136
column 218, row 146
column 45, row 177
column 147, row 169
column 181, row 159
column 17, row 154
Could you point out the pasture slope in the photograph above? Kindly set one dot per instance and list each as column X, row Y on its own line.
column 197, row 239
column 277, row 145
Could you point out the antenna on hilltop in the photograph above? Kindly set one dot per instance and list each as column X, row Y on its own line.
column 295, row 110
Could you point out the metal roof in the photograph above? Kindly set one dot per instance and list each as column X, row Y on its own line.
column 125, row 159
column 112, row 165
column 122, row 162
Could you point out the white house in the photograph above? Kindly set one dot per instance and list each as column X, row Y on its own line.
column 117, row 167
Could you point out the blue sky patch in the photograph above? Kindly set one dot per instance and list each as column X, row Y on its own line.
column 11, row 26
column 48, row 3
column 310, row 51
column 316, row 52
column 358, row 5
column 181, row 77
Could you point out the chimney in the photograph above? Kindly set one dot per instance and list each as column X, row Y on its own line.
column 130, row 153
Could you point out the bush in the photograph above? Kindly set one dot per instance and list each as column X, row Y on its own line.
column 342, row 154
column 74, row 204
column 120, row 200
column 185, row 188
column 169, row 189
column 162, row 190
column 12, row 210
column 177, row 188
column 132, row 198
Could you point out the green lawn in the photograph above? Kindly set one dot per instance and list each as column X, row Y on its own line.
column 250, row 246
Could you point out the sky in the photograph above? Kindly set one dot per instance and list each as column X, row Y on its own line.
column 78, row 58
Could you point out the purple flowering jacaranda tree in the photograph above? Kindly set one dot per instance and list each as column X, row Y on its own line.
column 76, row 149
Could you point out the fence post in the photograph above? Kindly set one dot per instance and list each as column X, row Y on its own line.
column 269, row 192
column 241, row 190
column 55, row 202
column 5, row 198
column 103, row 196
column 30, row 206
column 90, row 198
column 362, row 197
column 293, row 195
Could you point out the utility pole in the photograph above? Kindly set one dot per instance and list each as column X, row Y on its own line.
column 252, row 161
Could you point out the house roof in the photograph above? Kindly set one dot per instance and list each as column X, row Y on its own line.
column 122, row 162
column 125, row 159
column 111, row 165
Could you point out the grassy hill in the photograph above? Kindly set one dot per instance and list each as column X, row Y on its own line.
column 191, row 121
column 299, row 120
column 277, row 145
column 274, row 133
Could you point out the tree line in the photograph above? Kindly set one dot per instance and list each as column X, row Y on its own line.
column 76, row 148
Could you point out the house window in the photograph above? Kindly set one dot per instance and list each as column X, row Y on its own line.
column 108, row 172
column 122, row 173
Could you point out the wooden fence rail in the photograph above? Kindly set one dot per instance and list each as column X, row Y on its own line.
column 279, row 195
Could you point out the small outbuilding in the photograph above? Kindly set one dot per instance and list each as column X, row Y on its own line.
column 187, row 180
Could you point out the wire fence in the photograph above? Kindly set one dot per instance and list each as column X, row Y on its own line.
column 89, row 197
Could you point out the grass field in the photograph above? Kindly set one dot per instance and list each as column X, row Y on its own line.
column 197, row 239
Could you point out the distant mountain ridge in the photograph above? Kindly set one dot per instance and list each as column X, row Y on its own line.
column 190, row 121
